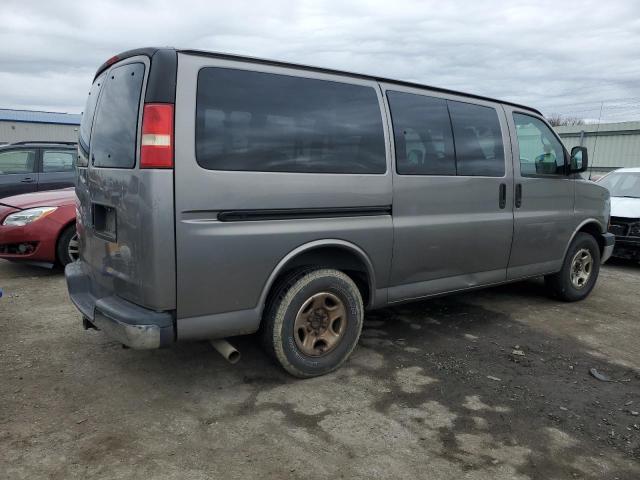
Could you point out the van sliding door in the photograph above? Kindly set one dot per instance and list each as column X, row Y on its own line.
column 452, row 191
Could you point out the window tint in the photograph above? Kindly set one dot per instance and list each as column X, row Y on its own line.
column 58, row 161
column 87, row 120
column 541, row 153
column 279, row 123
column 478, row 139
column 422, row 134
column 113, row 142
column 17, row 161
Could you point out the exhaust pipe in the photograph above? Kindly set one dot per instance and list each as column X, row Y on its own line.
column 227, row 350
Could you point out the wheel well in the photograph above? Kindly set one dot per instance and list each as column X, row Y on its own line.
column 339, row 258
column 593, row 229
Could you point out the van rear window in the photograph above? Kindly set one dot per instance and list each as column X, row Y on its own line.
column 113, row 142
column 265, row 122
column 84, row 138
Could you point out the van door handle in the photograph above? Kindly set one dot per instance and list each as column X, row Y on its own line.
column 518, row 195
column 502, row 201
column 28, row 180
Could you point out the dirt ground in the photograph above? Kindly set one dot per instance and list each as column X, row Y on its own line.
column 434, row 390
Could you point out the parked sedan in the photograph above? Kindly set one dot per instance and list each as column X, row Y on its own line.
column 624, row 186
column 39, row 228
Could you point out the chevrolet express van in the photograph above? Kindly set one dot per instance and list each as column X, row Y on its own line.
column 221, row 195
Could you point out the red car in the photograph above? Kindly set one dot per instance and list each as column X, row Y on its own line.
column 39, row 227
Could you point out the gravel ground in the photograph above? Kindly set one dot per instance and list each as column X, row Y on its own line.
column 493, row 384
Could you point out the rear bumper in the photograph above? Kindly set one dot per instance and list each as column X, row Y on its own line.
column 130, row 324
column 609, row 240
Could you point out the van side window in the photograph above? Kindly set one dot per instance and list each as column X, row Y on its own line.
column 478, row 139
column 422, row 134
column 17, row 162
column 253, row 121
column 58, row 161
column 113, row 141
column 541, row 152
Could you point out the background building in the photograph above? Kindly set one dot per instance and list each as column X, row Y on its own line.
column 610, row 145
column 27, row 125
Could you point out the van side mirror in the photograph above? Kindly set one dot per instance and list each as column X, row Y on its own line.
column 579, row 161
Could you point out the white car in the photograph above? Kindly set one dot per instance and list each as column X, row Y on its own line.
column 624, row 187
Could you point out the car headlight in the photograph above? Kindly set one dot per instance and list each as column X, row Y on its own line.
column 20, row 219
column 634, row 231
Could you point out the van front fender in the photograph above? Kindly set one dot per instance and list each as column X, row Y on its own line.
column 593, row 226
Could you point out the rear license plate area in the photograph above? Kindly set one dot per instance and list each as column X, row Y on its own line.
column 105, row 222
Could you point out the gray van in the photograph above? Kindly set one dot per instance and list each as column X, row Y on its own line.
column 221, row 195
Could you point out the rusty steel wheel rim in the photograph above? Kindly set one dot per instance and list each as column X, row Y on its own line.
column 320, row 324
column 581, row 267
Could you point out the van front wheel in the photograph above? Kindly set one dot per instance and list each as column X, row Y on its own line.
column 313, row 321
column 579, row 271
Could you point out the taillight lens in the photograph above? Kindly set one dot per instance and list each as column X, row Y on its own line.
column 157, row 136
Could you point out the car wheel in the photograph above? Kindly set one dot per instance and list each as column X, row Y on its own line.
column 68, row 248
column 579, row 271
column 313, row 321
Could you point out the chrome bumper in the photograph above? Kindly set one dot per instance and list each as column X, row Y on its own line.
column 130, row 324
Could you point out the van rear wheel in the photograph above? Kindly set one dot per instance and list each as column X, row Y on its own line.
column 313, row 321
column 579, row 271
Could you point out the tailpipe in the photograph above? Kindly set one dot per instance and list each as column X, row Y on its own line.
column 228, row 351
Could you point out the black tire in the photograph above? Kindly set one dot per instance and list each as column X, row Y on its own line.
column 62, row 246
column 561, row 285
column 288, row 298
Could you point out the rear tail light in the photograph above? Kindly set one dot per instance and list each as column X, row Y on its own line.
column 157, row 136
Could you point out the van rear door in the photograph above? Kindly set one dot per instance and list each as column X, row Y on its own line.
column 125, row 212
column 452, row 191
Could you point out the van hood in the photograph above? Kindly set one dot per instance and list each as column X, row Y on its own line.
column 625, row 207
column 49, row 198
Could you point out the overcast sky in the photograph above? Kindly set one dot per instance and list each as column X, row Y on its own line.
column 559, row 56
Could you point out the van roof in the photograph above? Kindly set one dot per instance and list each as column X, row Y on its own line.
column 227, row 56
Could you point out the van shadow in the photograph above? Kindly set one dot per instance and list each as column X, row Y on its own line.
column 466, row 349
column 521, row 375
column 631, row 266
